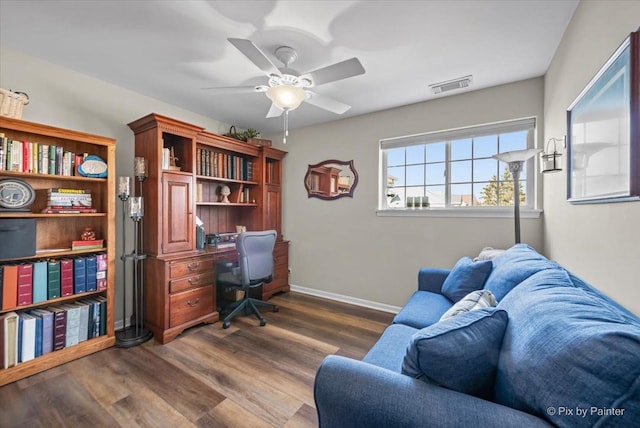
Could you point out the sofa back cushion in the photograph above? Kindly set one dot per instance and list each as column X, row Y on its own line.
column 459, row 353
column 568, row 347
column 514, row 266
column 465, row 277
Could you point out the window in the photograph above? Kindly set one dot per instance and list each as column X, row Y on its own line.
column 454, row 169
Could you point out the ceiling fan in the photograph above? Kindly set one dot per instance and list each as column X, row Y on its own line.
column 286, row 88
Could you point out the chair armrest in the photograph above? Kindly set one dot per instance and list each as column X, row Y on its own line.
column 431, row 279
column 351, row 393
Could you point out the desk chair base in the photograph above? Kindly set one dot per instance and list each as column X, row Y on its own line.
column 248, row 305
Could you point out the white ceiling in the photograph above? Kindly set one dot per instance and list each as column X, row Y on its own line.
column 170, row 50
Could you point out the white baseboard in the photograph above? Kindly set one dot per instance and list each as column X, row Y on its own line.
column 346, row 299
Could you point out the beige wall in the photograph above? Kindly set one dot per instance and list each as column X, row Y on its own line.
column 64, row 98
column 342, row 247
column 598, row 242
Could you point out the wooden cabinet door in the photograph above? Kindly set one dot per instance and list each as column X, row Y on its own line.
column 178, row 227
column 272, row 211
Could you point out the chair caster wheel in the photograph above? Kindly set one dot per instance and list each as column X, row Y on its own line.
column 263, row 323
column 226, row 324
column 276, row 309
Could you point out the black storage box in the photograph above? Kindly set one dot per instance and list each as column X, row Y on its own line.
column 17, row 238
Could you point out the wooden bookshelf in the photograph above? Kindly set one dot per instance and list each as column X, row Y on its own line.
column 55, row 232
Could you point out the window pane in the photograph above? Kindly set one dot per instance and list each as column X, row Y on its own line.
column 484, row 147
column 435, row 173
column 486, row 193
column 395, row 176
column 523, row 192
column 460, row 171
column 436, row 152
column 415, row 154
column 415, row 191
column 461, row 195
column 505, row 193
column 395, row 157
column 513, row 141
column 485, row 169
column 396, row 197
column 461, row 149
column 415, row 175
column 436, row 196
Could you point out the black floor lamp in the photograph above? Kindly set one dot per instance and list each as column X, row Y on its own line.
column 515, row 159
column 135, row 334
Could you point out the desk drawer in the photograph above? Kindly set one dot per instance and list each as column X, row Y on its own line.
column 193, row 281
column 191, row 266
column 191, row 304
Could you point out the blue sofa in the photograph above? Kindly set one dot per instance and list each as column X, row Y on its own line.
column 559, row 353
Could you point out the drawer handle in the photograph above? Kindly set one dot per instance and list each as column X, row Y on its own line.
column 194, row 280
column 194, row 303
column 194, row 266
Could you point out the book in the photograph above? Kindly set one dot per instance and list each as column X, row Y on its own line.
column 59, row 327
column 9, row 341
column 91, row 263
column 79, row 275
column 101, row 274
column 83, row 325
column 68, row 191
column 73, row 324
column 66, row 277
column 9, row 286
column 38, row 344
column 47, row 328
column 28, row 337
column 39, row 281
column 25, row 284
column 69, row 210
column 92, row 244
column 53, row 279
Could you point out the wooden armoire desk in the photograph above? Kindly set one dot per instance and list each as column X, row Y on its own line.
column 180, row 289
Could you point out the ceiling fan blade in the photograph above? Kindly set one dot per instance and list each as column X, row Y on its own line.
column 326, row 103
column 274, row 111
column 338, row 71
column 232, row 90
column 255, row 55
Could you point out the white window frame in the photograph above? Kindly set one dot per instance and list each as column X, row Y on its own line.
column 529, row 210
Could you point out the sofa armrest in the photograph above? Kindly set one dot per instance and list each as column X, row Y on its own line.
column 431, row 279
column 351, row 393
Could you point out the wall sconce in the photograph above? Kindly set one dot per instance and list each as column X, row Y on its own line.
column 550, row 162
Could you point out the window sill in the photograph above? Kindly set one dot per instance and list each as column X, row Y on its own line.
column 459, row 212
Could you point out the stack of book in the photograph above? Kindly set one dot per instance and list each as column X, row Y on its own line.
column 38, row 158
column 69, row 201
column 35, row 282
column 31, row 333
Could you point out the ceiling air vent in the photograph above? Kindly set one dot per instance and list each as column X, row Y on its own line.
column 451, row 85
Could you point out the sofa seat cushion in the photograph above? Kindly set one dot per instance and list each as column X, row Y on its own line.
column 423, row 309
column 388, row 352
column 514, row 266
column 465, row 277
column 459, row 353
column 569, row 345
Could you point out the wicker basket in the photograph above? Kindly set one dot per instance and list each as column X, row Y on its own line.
column 12, row 103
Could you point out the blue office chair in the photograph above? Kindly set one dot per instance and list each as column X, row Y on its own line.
column 255, row 263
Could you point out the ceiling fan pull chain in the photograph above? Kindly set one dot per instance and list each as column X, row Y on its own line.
column 286, row 126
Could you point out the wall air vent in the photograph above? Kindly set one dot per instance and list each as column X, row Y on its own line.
column 451, row 85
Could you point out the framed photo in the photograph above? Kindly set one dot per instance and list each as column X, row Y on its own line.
column 603, row 132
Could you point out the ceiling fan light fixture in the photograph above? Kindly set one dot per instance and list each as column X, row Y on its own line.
column 286, row 97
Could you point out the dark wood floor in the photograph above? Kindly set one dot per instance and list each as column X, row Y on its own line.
column 245, row 376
